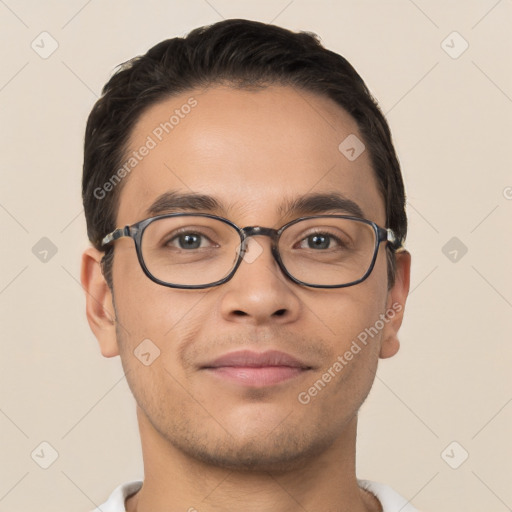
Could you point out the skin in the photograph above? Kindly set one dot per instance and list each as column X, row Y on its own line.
column 207, row 443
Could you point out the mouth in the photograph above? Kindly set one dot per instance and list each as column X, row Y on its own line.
column 256, row 369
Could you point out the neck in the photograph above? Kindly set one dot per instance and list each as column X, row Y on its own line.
column 176, row 482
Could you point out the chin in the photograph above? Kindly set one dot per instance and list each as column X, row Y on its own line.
column 280, row 450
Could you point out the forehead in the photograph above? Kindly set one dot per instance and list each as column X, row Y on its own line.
column 252, row 150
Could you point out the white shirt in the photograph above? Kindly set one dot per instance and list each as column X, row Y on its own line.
column 390, row 500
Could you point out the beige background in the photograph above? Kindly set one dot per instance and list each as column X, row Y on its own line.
column 452, row 121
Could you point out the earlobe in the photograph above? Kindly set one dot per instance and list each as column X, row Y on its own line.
column 397, row 297
column 99, row 303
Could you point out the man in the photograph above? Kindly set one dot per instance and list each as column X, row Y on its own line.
column 247, row 214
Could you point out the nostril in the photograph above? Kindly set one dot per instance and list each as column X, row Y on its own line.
column 280, row 312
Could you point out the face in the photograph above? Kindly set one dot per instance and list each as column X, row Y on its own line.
column 252, row 151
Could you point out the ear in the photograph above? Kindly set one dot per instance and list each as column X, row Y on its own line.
column 99, row 303
column 395, row 308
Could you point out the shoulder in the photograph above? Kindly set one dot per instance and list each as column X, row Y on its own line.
column 390, row 500
column 115, row 502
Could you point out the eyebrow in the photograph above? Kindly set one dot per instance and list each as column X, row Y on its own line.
column 317, row 203
column 309, row 204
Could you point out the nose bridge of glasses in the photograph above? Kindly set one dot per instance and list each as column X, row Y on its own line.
column 259, row 231
column 247, row 235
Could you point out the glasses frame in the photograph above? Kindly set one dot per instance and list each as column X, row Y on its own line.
column 136, row 232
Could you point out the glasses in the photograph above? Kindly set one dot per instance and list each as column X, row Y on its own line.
column 188, row 250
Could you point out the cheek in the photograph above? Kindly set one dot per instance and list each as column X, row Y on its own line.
column 154, row 327
column 379, row 275
column 147, row 310
column 353, row 310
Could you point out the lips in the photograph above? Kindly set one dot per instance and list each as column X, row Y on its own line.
column 249, row 359
column 256, row 369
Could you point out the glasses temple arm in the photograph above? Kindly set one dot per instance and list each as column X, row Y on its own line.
column 117, row 233
column 393, row 240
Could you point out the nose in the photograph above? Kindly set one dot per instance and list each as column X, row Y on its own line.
column 259, row 292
